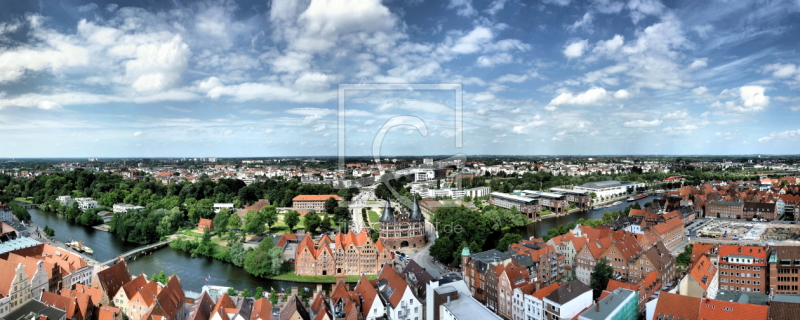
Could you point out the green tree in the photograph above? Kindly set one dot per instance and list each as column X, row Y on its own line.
column 20, row 212
column 312, row 221
column 171, row 221
column 254, row 222
column 602, row 273
column 270, row 215
column 325, row 223
column 221, row 220
column 507, row 240
column 238, row 253
column 234, row 221
column 206, row 247
column 259, row 292
column 246, row 293
column 330, row 205
column 341, row 214
column 264, row 260
column 49, row 231
column 291, row 219
column 685, row 257
column 231, row 292
column 160, row 277
column 273, row 297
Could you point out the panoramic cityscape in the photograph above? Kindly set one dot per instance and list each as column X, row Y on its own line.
column 399, row 160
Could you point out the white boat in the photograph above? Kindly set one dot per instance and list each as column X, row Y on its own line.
column 616, row 203
column 88, row 250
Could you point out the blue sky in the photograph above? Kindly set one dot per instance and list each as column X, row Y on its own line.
column 260, row 78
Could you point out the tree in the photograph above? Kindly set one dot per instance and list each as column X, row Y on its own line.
column 231, row 292
column 325, row 223
column 49, row 231
column 270, row 215
column 221, row 219
column 507, row 240
column 341, row 214
column 254, row 222
column 259, row 292
column 330, row 205
column 312, row 221
column 206, row 247
column 234, row 221
column 273, row 297
column 160, row 277
column 685, row 257
column 264, row 260
column 291, row 219
column 602, row 273
column 20, row 212
column 238, row 253
column 246, row 293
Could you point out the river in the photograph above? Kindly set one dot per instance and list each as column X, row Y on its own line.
column 540, row 228
column 193, row 272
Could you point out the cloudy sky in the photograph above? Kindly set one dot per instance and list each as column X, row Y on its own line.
column 261, row 78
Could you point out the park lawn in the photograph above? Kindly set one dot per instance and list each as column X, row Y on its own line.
column 376, row 226
column 25, row 200
column 290, row 276
column 373, row 216
column 544, row 213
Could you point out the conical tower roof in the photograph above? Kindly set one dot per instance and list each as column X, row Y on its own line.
column 387, row 216
column 416, row 214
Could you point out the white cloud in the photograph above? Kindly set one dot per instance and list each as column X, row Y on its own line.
column 138, row 133
column 562, row 3
column 622, row 94
column 750, row 99
column 48, row 105
column 699, row 63
column 525, row 128
column 791, row 134
column 699, row 90
column 795, row 108
column 608, row 47
column 319, row 128
column 228, row 132
column 493, row 60
column 678, row 130
column 369, row 122
column 642, row 123
column 575, row 49
column 472, row 41
column 269, row 131
column 642, row 8
column 782, row 70
column 678, row 114
column 512, row 78
column 495, row 6
column 158, row 66
column 463, row 7
column 584, row 23
column 591, row 96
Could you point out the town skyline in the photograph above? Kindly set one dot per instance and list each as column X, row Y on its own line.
column 248, row 78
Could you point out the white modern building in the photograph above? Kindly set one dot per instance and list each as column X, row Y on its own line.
column 605, row 189
column 460, row 286
column 477, row 192
column 125, row 208
column 424, row 175
column 465, row 308
column 86, row 204
column 65, row 200
column 219, row 206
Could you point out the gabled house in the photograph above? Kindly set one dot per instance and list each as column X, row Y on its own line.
column 397, row 296
column 701, row 281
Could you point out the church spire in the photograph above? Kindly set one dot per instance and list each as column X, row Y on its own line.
column 388, row 215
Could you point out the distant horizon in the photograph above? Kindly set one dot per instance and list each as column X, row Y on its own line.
column 402, row 156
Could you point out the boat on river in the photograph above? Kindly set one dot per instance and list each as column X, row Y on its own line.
column 639, row 197
column 79, row 247
column 616, row 203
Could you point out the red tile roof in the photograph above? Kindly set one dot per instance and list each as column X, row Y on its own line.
column 396, row 282
column 725, row 310
column 703, row 269
column 759, row 253
column 544, row 292
column 262, row 309
column 677, row 306
column 323, row 197
column 113, row 278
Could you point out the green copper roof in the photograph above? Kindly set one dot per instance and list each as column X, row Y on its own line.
column 465, row 252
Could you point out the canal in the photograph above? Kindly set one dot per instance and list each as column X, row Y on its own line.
column 540, row 228
column 193, row 272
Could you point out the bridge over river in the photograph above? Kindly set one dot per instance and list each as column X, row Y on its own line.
column 140, row 250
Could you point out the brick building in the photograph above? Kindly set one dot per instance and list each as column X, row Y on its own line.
column 404, row 229
column 476, row 268
column 525, row 205
column 759, row 210
column 784, row 270
column 722, row 209
column 743, row 268
column 349, row 254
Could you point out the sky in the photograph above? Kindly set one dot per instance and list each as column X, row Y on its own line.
column 507, row 77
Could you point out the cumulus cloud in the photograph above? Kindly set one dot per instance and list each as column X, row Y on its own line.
column 584, row 22
column 591, row 96
column 750, row 99
column 782, row 70
column 699, row 90
column 269, row 131
column 642, row 123
column 138, row 133
column 493, row 60
column 622, row 94
column 791, row 134
column 495, row 6
column 319, row 128
column 699, row 63
column 472, row 41
column 575, row 49
column 512, row 78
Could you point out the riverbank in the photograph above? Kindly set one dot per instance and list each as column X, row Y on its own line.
column 41, row 237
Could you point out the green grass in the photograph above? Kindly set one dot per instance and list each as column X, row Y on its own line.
column 544, row 213
column 290, row 276
column 376, row 226
column 26, row 200
column 373, row 216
